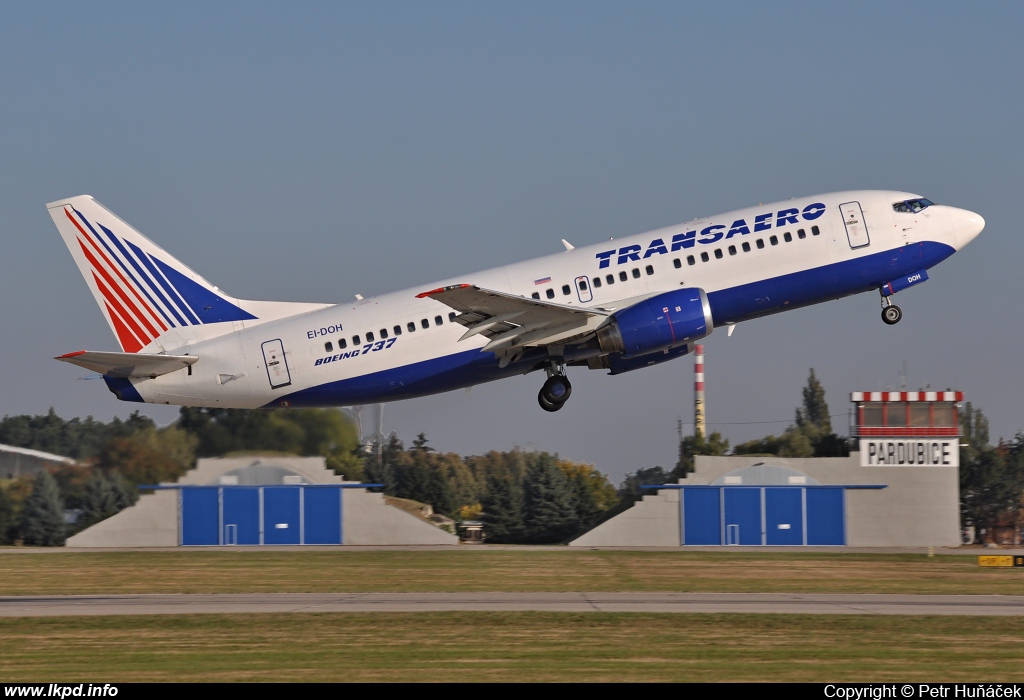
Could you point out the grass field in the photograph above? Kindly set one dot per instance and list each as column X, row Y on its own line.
column 492, row 646
column 592, row 647
column 481, row 569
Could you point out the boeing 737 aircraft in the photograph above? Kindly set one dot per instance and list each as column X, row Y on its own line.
column 618, row 305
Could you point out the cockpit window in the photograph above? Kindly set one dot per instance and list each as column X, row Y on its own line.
column 912, row 206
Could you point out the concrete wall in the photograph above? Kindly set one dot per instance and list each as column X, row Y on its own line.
column 367, row 519
column 653, row 521
column 151, row 522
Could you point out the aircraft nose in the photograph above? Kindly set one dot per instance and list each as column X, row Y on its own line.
column 966, row 225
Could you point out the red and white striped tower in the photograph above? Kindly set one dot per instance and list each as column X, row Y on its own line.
column 699, row 424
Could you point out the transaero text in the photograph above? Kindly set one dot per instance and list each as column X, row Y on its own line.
column 922, row 690
column 711, row 234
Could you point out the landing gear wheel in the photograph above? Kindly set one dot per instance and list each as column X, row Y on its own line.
column 556, row 389
column 547, row 405
column 892, row 315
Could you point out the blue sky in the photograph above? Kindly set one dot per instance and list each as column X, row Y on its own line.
column 313, row 151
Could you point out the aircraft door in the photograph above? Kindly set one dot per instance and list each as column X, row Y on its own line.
column 856, row 229
column 277, row 364
column 583, row 290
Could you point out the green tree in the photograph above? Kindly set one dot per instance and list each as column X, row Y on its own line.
column 100, row 500
column 502, row 510
column 991, row 478
column 42, row 519
column 385, row 468
column 420, row 443
column 693, row 445
column 76, row 438
column 974, row 436
column 592, row 492
column 8, row 519
column 809, row 436
column 549, row 511
column 813, row 417
column 150, row 456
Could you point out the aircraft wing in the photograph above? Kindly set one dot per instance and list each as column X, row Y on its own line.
column 127, row 364
column 511, row 322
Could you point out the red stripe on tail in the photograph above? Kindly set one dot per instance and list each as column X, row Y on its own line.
column 128, row 323
column 116, row 269
column 128, row 341
column 153, row 332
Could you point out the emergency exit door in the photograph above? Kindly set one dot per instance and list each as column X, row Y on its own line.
column 277, row 364
column 583, row 290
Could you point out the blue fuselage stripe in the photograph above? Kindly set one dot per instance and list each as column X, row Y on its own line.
column 747, row 301
column 731, row 305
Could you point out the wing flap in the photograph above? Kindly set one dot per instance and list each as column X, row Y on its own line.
column 508, row 321
column 127, row 364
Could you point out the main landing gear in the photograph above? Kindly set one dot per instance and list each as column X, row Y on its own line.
column 891, row 313
column 556, row 389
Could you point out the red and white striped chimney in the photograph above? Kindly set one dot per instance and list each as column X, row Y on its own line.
column 699, row 424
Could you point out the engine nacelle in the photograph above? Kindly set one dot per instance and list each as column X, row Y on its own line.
column 660, row 323
column 617, row 364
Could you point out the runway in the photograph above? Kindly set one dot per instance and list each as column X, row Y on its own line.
column 244, row 603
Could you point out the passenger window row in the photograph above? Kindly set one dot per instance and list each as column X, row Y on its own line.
column 608, row 279
column 677, row 263
column 746, row 248
column 369, row 337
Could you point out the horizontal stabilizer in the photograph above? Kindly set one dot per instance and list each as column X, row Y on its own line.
column 128, row 364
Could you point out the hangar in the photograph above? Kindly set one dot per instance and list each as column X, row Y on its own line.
column 255, row 501
column 899, row 487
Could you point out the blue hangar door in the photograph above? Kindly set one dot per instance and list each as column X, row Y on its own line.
column 763, row 515
column 743, row 515
column 255, row 515
column 240, row 515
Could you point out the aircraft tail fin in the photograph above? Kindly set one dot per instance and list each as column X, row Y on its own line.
column 142, row 290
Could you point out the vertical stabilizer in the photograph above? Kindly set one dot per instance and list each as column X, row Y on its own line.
column 144, row 292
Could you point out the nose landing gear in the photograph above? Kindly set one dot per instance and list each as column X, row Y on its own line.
column 891, row 313
column 556, row 389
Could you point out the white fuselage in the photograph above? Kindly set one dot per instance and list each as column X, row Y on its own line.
column 750, row 262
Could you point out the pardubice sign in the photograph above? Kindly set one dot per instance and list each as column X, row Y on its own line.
column 909, row 452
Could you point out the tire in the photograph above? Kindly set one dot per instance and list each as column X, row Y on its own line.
column 547, row 405
column 556, row 390
column 892, row 315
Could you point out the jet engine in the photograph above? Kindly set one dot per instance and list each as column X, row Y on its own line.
column 663, row 322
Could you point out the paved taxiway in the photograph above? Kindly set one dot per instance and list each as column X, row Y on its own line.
column 788, row 603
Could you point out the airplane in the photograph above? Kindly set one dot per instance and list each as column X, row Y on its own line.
column 618, row 305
